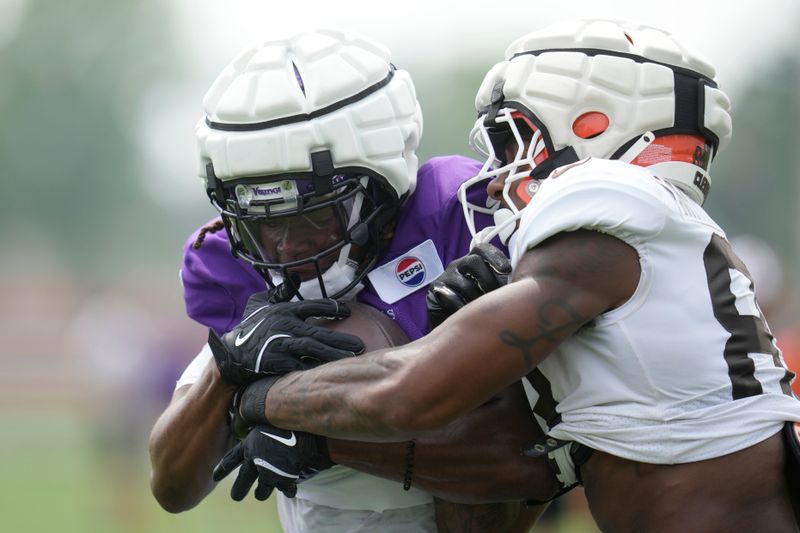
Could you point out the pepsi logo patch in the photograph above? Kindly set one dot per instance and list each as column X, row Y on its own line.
column 410, row 271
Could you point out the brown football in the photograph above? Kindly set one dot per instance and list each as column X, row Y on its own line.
column 375, row 328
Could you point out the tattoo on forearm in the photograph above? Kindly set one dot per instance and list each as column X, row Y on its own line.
column 315, row 401
column 556, row 317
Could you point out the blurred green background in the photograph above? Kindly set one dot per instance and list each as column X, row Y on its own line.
column 97, row 108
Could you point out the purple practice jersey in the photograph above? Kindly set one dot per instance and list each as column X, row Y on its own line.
column 217, row 285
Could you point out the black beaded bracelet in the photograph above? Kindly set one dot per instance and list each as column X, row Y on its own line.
column 409, row 464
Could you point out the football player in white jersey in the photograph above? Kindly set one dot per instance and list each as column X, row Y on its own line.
column 629, row 315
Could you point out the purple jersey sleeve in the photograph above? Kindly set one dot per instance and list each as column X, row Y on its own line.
column 217, row 285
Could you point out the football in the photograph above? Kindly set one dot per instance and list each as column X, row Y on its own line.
column 375, row 328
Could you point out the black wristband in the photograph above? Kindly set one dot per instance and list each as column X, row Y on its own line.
column 322, row 458
column 254, row 400
column 409, row 464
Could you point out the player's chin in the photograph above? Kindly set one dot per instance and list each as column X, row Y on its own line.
column 306, row 274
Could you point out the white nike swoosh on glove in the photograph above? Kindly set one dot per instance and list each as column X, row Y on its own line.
column 264, row 464
column 257, row 366
column 291, row 441
column 239, row 340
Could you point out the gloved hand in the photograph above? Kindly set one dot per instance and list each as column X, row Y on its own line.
column 274, row 339
column 484, row 269
column 276, row 457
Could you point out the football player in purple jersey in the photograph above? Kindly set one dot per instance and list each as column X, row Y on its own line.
column 662, row 387
column 307, row 150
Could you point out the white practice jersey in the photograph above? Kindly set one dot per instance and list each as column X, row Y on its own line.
column 338, row 487
column 687, row 369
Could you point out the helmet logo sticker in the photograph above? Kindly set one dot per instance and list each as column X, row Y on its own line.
column 410, row 271
column 266, row 191
column 283, row 195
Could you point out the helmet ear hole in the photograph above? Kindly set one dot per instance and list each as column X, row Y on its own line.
column 590, row 125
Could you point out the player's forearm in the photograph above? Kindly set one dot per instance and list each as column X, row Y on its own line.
column 399, row 392
column 188, row 440
column 336, row 400
column 475, row 459
column 454, row 473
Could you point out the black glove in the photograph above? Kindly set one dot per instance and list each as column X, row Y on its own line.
column 482, row 270
column 274, row 339
column 277, row 458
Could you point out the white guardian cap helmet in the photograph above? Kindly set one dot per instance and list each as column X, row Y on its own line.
column 315, row 134
column 596, row 88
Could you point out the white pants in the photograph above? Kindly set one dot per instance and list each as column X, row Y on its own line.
column 302, row 516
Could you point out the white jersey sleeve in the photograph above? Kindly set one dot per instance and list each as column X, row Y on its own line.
column 193, row 371
column 607, row 196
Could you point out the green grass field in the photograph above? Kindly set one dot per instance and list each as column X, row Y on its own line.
column 59, row 475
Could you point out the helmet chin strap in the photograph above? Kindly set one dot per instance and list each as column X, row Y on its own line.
column 336, row 278
column 505, row 224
